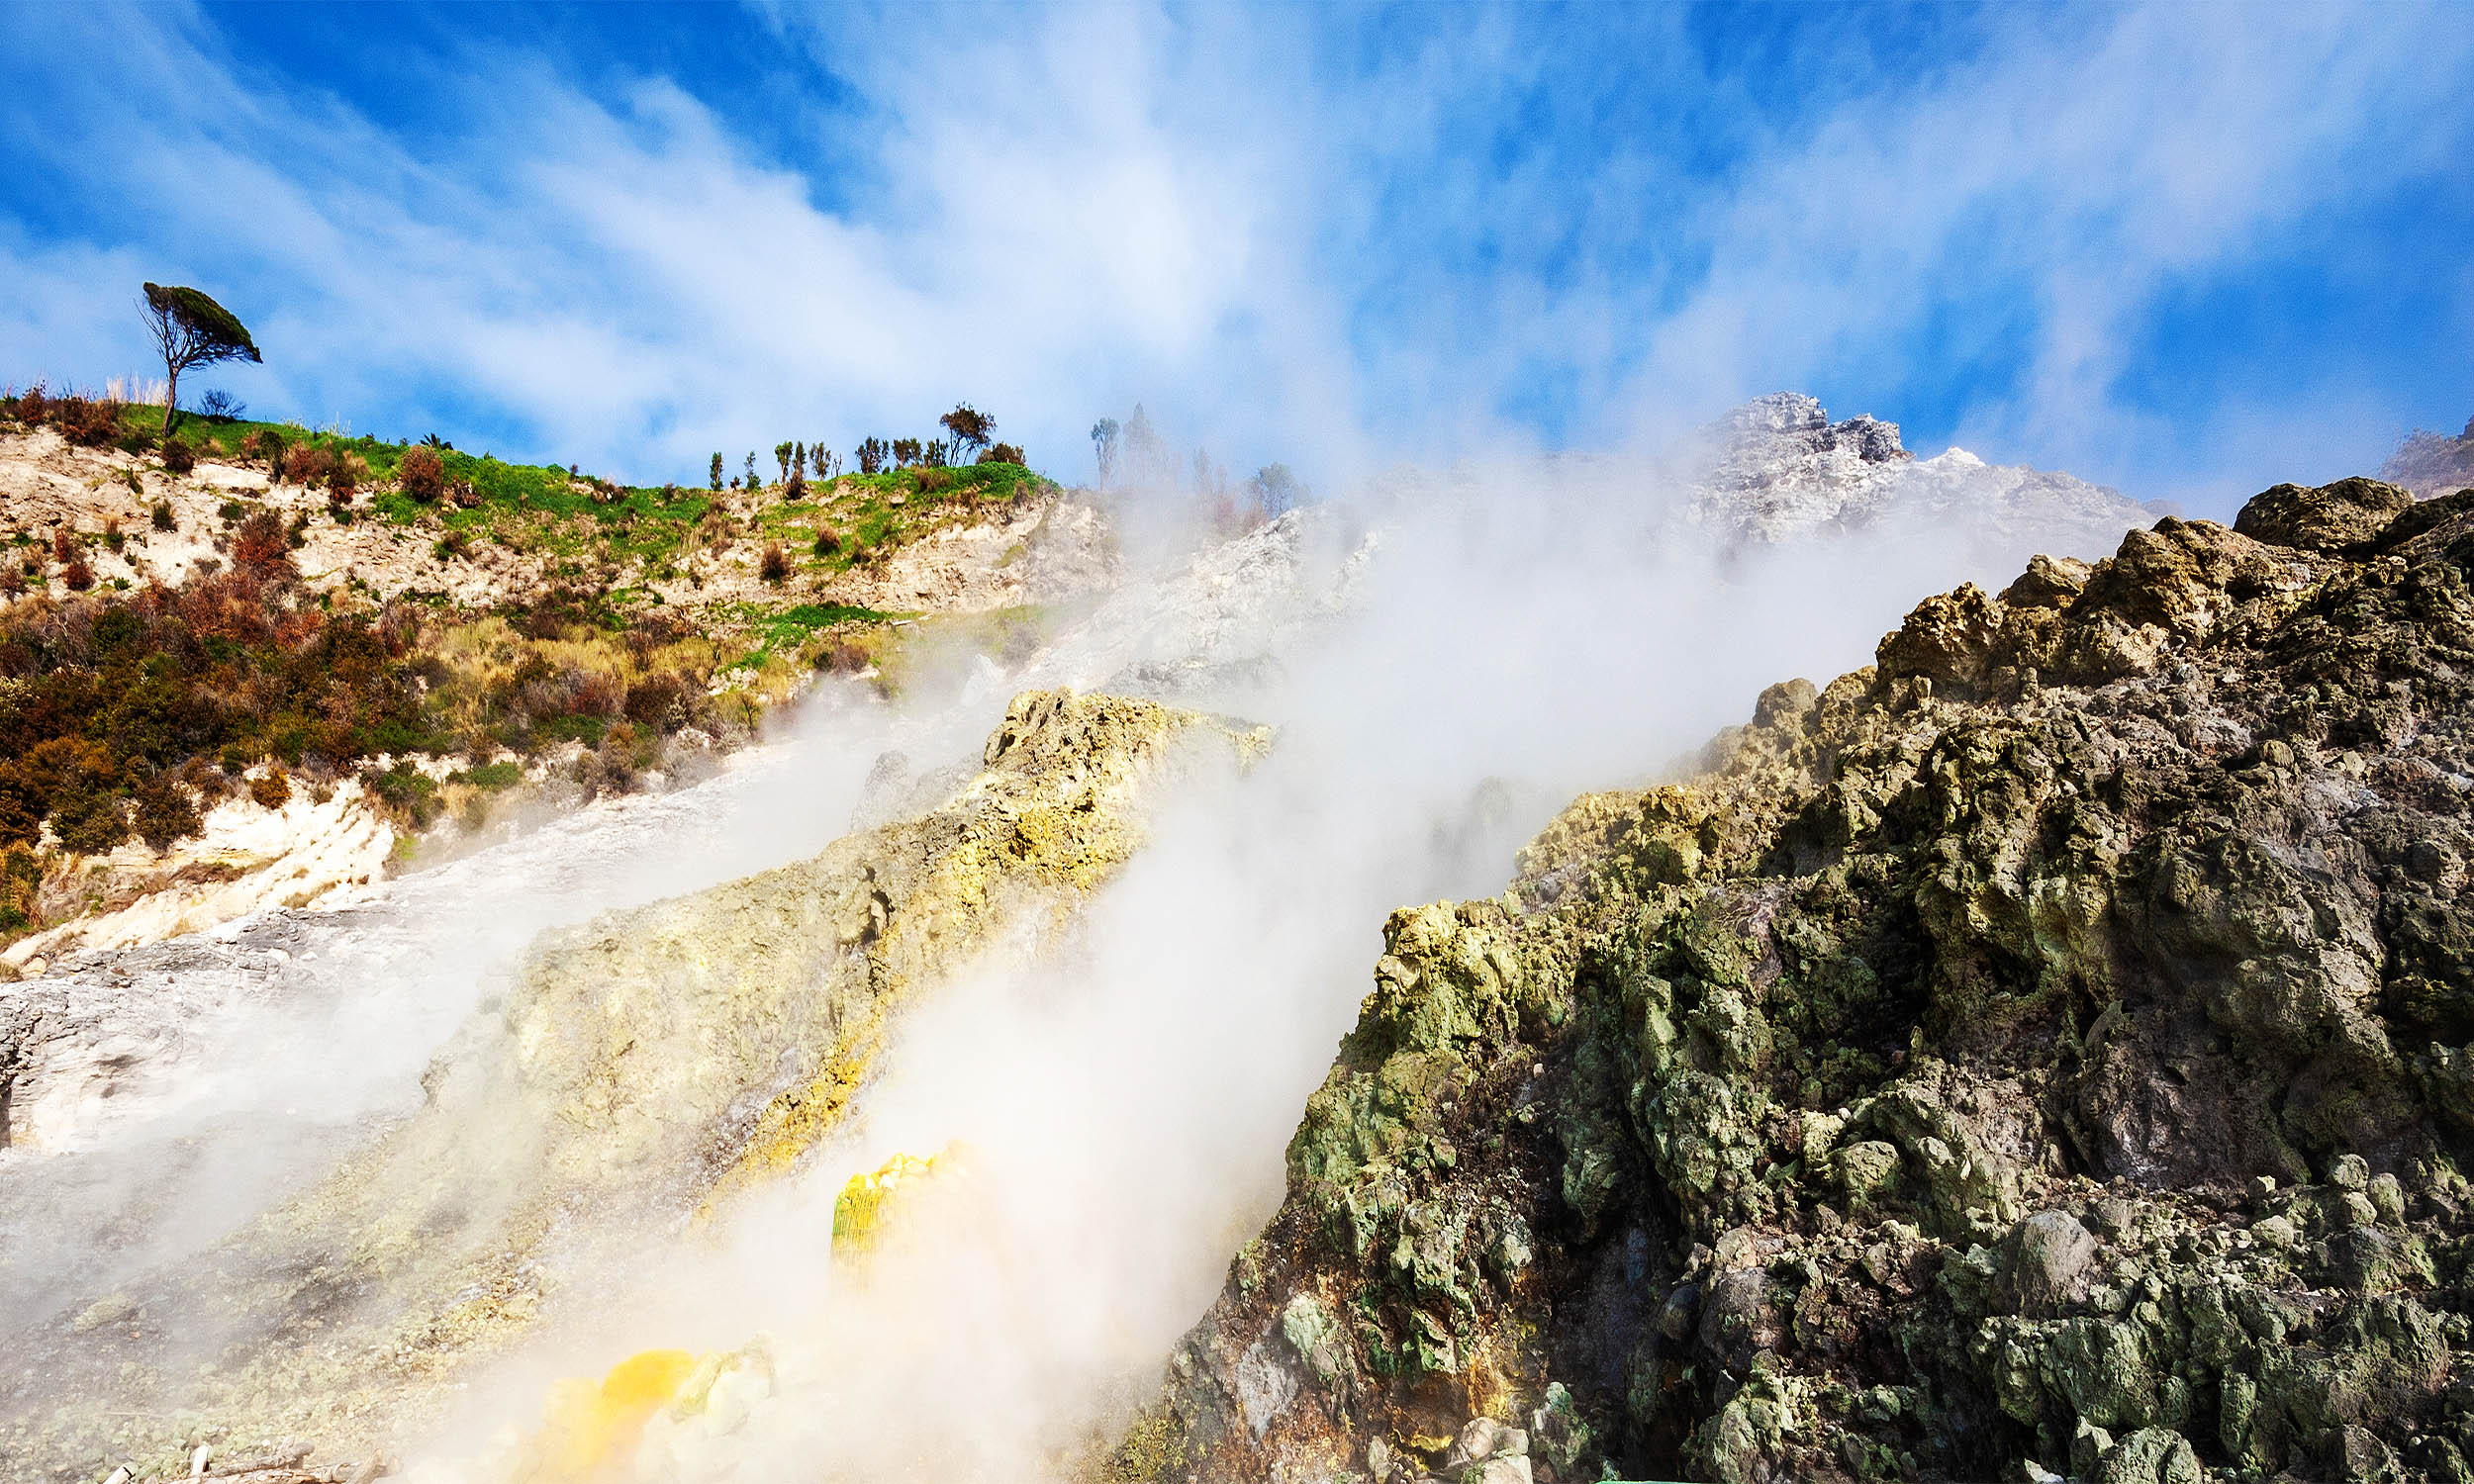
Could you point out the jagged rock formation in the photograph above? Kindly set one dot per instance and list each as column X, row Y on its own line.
column 2430, row 463
column 1777, row 468
column 636, row 1070
column 2050, row 1050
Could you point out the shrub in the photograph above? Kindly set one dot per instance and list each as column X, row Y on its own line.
column 272, row 789
column 260, row 547
column 162, row 516
column 12, row 582
column 450, row 547
column 88, row 820
column 658, row 701
column 87, row 423
column 828, row 541
column 222, row 406
column 349, row 470
column 77, row 575
column 164, row 813
column 112, row 537
column 420, row 474
column 932, row 480
column 180, row 456
column 309, row 464
column 493, row 777
column 272, row 448
column 65, row 547
column 31, row 407
column 775, row 567
column 463, row 494
column 405, row 793
column 1004, row 453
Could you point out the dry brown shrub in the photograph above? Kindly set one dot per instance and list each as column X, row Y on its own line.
column 260, row 548
column 309, row 464
column 658, row 701
column 179, row 456
column 272, row 789
column 775, row 566
column 87, row 421
column 77, row 575
column 421, row 473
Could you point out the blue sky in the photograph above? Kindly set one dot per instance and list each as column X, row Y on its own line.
column 2185, row 252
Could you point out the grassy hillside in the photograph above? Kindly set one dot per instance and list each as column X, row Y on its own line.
column 619, row 619
column 596, row 524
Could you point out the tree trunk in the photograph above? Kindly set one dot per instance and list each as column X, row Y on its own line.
column 171, row 400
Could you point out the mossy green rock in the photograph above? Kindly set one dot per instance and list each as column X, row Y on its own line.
column 2051, row 1047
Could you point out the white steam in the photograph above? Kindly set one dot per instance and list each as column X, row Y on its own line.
column 1125, row 1103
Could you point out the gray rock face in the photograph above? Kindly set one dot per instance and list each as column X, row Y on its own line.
column 1777, row 468
column 2430, row 463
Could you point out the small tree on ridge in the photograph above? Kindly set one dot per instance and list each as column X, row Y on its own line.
column 971, row 428
column 191, row 329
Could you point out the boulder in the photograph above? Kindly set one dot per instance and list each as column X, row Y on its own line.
column 2047, row 1261
column 2328, row 518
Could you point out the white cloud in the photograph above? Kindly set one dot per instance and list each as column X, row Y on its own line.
column 1292, row 233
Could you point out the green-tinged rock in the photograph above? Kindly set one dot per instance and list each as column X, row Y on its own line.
column 2053, row 1042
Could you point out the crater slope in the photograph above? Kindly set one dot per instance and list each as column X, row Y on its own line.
column 636, row 1072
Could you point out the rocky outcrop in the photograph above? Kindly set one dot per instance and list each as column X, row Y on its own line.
column 1777, row 468
column 2046, row 1052
column 2430, row 463
column 637, row 1072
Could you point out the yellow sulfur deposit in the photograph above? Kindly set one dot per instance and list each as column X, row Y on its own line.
column 587, row 1424
column 869, row 1200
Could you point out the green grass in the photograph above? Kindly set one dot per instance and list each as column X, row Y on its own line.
column 621, row 539
column 588, row 730
column 492, row 776
column 787, row 630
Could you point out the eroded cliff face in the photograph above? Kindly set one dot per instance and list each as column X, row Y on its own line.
column 2044, row 1051
column 633, row 1075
